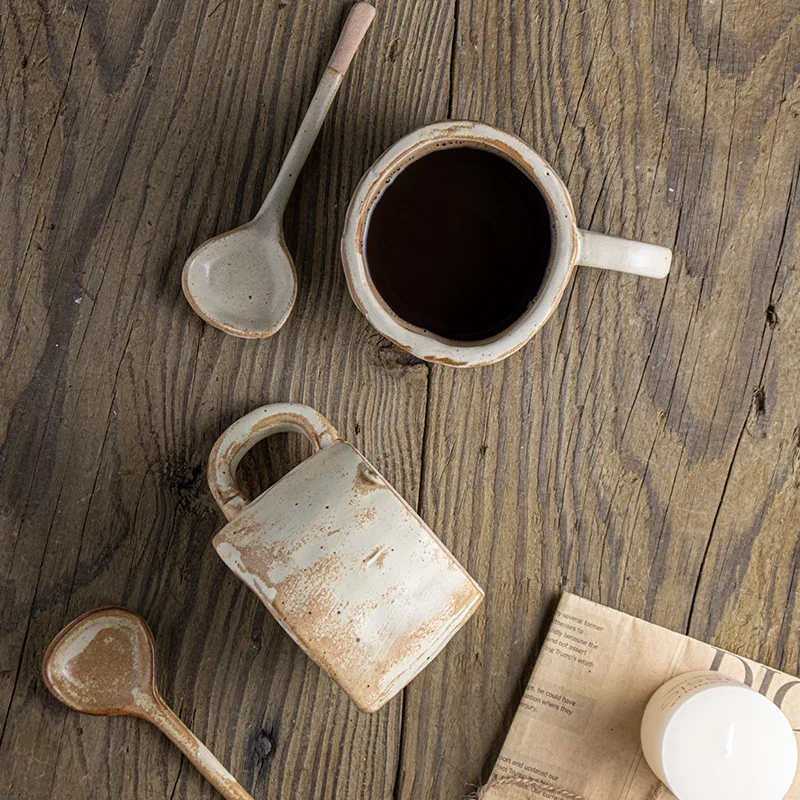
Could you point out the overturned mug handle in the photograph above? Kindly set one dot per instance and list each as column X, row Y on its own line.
column 623, row 255
column 231, row 447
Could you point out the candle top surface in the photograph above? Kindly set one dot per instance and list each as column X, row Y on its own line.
column 728, row 741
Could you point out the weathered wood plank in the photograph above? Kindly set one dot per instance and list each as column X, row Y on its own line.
column 134, row 132
column 642, row 450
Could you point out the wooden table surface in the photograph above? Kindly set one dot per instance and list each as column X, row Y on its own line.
column 643, row 450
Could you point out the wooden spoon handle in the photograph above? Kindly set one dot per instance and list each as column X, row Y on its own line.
column 357, row 24
column 163, row 717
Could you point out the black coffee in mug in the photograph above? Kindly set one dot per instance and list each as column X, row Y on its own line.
column 458, row 243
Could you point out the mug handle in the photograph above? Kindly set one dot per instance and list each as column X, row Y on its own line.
column 623, row 255
column 231, row 447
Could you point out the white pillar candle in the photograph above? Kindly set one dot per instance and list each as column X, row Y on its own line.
column 710, row 737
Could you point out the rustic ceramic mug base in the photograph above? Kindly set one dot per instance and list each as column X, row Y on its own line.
column 340, row 559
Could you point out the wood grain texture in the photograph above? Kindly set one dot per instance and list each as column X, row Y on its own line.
column 132, row 133
column 643, row 450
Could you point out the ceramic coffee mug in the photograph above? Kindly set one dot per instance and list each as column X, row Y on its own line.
column 570, row 245
column 339, row 558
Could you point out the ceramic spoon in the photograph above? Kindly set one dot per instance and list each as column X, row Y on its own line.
column 104, row 663
column 243, row 281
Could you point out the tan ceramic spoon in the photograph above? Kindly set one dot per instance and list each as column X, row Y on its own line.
column 243, row 282
column 104, row 663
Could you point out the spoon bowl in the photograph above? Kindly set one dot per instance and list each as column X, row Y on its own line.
column 242, row 282
column 102, row 663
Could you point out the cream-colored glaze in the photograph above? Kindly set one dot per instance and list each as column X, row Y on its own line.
column 243, row 282
column 340, row 559
column 570, row 246
column 104, row 663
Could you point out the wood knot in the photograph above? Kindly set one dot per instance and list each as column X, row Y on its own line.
column 262, row 745
column 758, row 407
column 772, row 316
column 392, row 357
column 393, row 50
column 759, row 403
column 186, row 481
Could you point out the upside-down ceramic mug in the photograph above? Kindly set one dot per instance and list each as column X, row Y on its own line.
column 339, row 558
column 568, row 245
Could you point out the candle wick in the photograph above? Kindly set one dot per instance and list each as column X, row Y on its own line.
column 729, row 740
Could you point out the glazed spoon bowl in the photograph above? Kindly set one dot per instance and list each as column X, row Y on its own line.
column 104, row 663
column 243, row 282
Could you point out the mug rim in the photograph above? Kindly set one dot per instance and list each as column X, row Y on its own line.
column 425, row 344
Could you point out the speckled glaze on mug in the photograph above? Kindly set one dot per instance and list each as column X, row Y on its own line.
column 570, row 245
column 339, row 558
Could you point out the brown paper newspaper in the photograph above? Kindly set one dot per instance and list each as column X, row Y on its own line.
column 577, row 726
